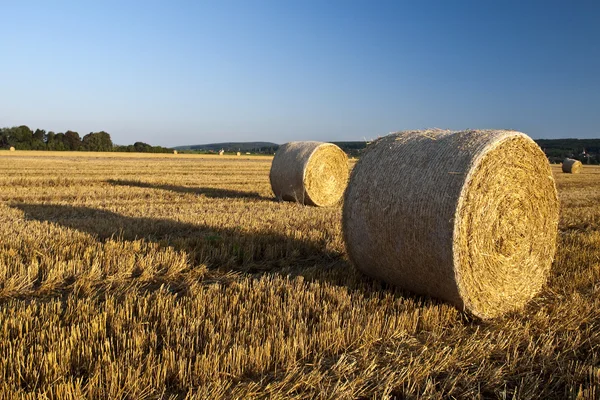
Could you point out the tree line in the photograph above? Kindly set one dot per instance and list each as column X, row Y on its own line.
column 23, row 138
column 585, row 150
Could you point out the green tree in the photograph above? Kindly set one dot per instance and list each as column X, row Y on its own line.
column 21, row 137
column 142, row 147
column 59, row 142
column 37, row 142
column 97, row 141
column 49, row 139
column 72, row 140
column 4, row 135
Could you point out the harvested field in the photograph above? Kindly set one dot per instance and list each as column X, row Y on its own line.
column 163, row 276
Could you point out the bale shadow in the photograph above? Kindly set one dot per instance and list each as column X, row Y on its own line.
column 206, row 191
column 233, row 248
column 224, row 250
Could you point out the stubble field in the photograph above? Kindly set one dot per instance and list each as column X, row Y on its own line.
column 174, row 276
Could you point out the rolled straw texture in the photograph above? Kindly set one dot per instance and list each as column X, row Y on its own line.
column 467, row 217
column 313, row 173
column 571, row 166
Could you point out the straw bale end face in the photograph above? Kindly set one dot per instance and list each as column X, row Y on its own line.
column 476, row 226
column 571, row 166
column 312, row 173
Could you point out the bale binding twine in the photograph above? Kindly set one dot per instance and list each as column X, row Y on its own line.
column 313, row 173
column 571, row 166
column 468, row 217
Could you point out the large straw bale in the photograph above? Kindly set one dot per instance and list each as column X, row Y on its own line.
column 571, row 166
column 468, row 217
column 314, row 173
column 11, row 149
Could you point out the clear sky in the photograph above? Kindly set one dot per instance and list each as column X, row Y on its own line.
column 174, row 73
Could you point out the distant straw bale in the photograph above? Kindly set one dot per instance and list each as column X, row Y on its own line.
column 221, row 152
column 174, row 151
column 468, row 217
column 312, row 173
column 239, row 154
column 571, row 166
column 11, row 149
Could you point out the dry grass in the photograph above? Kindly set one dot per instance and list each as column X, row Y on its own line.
column 172, row 277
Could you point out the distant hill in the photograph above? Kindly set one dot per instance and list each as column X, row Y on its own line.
column 253, row 147
column 352, row 148
column 556, row 149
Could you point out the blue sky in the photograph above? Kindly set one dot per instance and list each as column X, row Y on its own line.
column 175, row 73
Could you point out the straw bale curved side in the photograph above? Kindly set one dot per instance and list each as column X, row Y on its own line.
column 11, row 149
column 571, row 166
column 309, row 172
column 453, row 215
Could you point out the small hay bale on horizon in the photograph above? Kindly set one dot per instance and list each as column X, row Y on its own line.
column 313, row 173
column 238, row 154
column 11, row 149
column 452, row 216
column 571, row 166
column 174, row 151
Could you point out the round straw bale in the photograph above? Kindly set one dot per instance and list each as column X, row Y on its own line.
column 239, row 154
column 174, row 151
column 11, row 149
column 571, row 166
column 312, row 173
column 468, row 217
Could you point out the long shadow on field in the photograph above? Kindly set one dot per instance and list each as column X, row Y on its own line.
column 208, row 192
column 224, row 248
